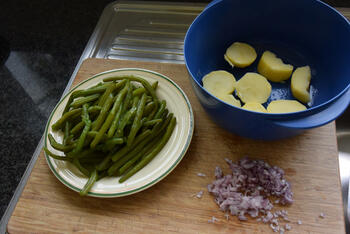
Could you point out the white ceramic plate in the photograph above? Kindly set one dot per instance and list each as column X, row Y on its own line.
column 158, row 168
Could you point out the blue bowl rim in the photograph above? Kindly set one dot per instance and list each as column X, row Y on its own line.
column 282, row 115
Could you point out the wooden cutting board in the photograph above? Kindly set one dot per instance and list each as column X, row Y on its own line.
column 310, row 161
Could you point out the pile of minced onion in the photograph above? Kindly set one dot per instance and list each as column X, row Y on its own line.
column 246, row 191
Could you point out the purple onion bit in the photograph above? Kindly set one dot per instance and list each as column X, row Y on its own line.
column 246, row 190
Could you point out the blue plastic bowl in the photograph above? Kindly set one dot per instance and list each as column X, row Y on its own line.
column 300, row 32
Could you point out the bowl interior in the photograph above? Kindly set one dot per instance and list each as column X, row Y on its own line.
column 300, row 32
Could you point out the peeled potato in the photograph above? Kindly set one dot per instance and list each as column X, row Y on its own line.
column 285, row 106
column 253, row 87
column 219, row 82
column 300, row 84
column 230, row 99
column 254, row 106
column 273, row 68
column 240, row 55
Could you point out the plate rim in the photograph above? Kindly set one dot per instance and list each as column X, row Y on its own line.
column 152, row 182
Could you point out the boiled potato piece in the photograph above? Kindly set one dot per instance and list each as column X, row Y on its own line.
column 219, row 82
column 253, row 87
column 273, row 68
column 254, row 106
column 240, row 55
column 285, row 106
column 230, row 99
column 300, row 83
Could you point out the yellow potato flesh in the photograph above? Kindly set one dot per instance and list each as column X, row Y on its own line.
column 254, row 106
column 219, row 82
column 253, row 87
column 230, row 99
column 300, row 83
column 285, row 106
column 273, row 68
column 240, row 55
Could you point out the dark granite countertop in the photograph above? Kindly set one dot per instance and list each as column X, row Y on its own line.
column 40, row 44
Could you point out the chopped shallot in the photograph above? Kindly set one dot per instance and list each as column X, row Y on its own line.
column 288, row 227
column 213, row 220
column 199, row 194
column 246, row 191
column 201, row 174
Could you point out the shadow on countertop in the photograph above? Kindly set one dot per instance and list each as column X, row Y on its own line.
column 40, row 44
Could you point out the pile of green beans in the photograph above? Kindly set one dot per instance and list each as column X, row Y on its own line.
column 114, row 128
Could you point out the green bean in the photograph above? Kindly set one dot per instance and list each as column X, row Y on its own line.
column 120, row 113
column 58, row 146
column 89, row 183
column 155, row 85
column 105, row 95
column 90, row 160
column 56, row 126
column 81, row 101
column 80, row 167
column 55, row 156
column 99, row 88
column 66, row 108
column 66, row 135
column 103, row 113
column 141, row 90
column 77, row 128
column 128, row 156
column 70, row 140
column 148, row 108
column 128, row 115
column 111, row 115
column 120, row 84
column 87, row 121
column 161, row 109
column 159, row 127
column 137, row 120
column 143, row 120
column 138, row 91
column 154, row 111
column 93, row 134
column 109, row 144
column 115, row 122
column 82, row 154
column 137, row 156
column 94, row 109
column 144, row 82
column 152, row 122
column 91, row 91
column 153, row 153
column 165, row 113
column 71, row 115
column 126, row 149
column 105, row 163
column 137, row 147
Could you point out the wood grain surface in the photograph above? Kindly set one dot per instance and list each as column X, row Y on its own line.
column 310, row 161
